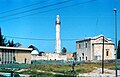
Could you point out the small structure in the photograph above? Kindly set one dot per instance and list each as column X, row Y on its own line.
column 50, row 56
column 54, row 56
column 35, row 55
column 9, row 55
column 91, row 48
column 34, row 52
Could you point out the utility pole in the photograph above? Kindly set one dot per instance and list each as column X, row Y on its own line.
column 116, row 67
column 103, row 57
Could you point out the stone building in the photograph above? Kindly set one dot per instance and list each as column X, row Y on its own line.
column 9, row 55
column 91, row 48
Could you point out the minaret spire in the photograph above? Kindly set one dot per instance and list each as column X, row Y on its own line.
column 58, row 42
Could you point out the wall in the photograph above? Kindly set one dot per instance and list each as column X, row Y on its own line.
column 93, row 51
column 107, row 47
column 22, row 55
column 84, row 50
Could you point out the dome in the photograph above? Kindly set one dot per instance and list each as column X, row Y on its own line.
column 34, row 52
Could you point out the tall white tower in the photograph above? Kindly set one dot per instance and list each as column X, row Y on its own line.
column 58, row 42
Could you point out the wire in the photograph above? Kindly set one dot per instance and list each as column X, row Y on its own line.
column 36, row 8
column 23, row 7
column 38, row 38
column 48, row 10
column 27, row 38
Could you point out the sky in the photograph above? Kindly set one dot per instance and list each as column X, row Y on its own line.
column 79, row 19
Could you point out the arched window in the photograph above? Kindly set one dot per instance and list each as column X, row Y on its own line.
column 86, row 57
column 107, row 53
column 82, row 55
column 79, row 46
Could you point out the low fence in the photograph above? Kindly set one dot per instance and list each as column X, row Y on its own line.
column 107, row 61
column 60, row 62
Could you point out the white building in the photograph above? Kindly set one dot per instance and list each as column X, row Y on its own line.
column 54, row 56
column 34, row 55
column 47, row 56
column 91, row 48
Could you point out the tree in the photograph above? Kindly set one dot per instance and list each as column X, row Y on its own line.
column 75, row 55
column 11, row 43
column 118, row 50
column 64, row 50
column 34, row 48
column 17, row 44
column 3, row 41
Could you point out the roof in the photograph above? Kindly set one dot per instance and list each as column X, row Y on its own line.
column 16, row 48
column 34, row 52
column 93, row 38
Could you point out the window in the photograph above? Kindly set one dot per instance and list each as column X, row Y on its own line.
column 80, row 58
column 83, row 58
column 82, row 55
column 107, row 53
column 79, row 46
column 85, row 45
column 86, row 57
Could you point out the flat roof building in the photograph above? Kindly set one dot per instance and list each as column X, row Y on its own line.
column 9, row 55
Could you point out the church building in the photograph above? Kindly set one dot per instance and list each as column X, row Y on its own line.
column 91, row 48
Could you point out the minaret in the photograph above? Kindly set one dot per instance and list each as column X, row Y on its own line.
column 58, row 42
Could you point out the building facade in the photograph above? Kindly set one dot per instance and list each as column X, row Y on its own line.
column 91, row 48
column 9, row 55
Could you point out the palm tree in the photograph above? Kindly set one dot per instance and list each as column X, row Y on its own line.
column 11, row 43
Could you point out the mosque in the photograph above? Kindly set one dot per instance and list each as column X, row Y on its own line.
column 50, row 55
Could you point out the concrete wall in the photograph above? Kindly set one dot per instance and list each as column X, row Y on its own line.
column 22, row 55
column 49, row 56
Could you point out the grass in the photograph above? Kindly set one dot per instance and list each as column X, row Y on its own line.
column 81, row 68
column 66, row 69
column 63, row 69
column 53, row 68
column 111, row 66
column 86, row 68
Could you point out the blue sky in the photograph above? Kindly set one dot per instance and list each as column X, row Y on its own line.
column 87, row 19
